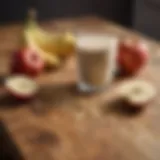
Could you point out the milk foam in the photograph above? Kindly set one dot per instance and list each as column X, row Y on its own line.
column 93, row 42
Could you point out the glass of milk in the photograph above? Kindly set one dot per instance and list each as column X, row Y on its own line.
column 96, row 59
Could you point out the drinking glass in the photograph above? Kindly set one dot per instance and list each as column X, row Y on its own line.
column 96, row 60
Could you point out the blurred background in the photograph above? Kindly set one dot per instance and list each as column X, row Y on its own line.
column 119, row 11
column 141, row 15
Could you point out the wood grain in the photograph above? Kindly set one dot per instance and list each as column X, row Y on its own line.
column 62, row 124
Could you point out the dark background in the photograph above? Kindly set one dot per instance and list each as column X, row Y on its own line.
column 142, row 15
column 118, row 10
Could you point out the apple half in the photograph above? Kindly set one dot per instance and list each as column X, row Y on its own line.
column 137, row 93
column 21, row 87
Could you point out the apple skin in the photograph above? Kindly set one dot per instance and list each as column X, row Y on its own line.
column 132, row 56
column 20, row 96
column 26, row 61
column 134, row 104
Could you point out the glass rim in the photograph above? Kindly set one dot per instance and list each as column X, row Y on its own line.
column 105, row 41
column 90, row 33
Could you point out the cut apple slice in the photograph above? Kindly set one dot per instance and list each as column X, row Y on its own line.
column 137, row 92
column 21, row 87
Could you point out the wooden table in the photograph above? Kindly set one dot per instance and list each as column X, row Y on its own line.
column 61, row 124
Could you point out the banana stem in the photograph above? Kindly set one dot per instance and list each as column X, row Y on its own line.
column 32, row 14
column 31, row 18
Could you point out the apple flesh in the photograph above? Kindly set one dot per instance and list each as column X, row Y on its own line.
column 137, row 93
column 132, row 56
column 27, row 61
column 21, row 87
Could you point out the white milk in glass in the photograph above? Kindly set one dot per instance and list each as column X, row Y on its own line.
column 96, row 58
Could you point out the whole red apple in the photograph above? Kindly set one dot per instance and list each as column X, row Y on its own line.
column 132, row 56
column 27, row 61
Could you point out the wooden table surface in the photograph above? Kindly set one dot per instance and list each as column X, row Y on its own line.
column 61, row 124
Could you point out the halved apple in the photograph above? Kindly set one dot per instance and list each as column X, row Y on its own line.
column 137, row 93
column 21, row 86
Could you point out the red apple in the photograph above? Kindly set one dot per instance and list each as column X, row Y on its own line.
column 21, row 87
column 132, row 56
column 16, row 64
column 32, row 61
column 27, row 61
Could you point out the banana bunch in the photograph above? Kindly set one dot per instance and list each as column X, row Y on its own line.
column 51, row 47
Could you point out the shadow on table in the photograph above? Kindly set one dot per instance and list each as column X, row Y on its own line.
column 8, row 150
column 9, row 102
column 2, row 79
column 120, row 107
column 57, row 96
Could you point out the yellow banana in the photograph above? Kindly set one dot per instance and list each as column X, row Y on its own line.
column 60, row 43
column 50, row 46
column 65, row 44
column 51, row 59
